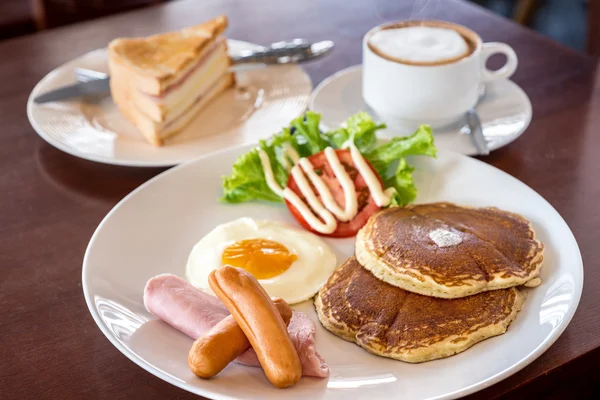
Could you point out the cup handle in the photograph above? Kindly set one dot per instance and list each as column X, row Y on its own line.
column 509, row 67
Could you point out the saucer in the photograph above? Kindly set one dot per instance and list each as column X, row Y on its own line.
column 264, row 100
column 505, row 111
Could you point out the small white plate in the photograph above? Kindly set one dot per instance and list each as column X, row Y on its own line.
column 505, row 111
column 263, row 101
column 153, row 229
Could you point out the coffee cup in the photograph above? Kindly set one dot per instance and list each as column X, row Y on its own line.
column 417, row 72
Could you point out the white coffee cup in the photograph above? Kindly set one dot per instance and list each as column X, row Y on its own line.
column 405, row 95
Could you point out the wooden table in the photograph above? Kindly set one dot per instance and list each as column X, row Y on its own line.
column 50, row 348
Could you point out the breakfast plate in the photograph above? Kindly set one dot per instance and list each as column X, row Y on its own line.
column 153, row 230
column 265, row 99
column 505, row 111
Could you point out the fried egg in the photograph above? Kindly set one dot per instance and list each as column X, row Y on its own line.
column 288, row 262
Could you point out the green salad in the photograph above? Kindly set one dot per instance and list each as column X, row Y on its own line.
column 247, row 179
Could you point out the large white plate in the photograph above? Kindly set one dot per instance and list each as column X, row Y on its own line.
column 153, row 229
column 505, row 111
column 263, row 101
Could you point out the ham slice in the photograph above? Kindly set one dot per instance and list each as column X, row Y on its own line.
column 194, row 312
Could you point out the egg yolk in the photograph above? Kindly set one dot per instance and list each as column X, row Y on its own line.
column 263, row 258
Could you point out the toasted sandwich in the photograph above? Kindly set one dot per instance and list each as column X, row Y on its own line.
column 161, row 82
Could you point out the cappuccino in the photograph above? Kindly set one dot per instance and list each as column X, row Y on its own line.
column 420, row 44
column 418, row 72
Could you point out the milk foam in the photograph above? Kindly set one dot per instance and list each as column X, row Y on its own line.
column 420, row 44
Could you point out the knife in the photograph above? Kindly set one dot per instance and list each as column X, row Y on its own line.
column 475, row 128
column 476, row 132
column 296, row 50
column 75, row 90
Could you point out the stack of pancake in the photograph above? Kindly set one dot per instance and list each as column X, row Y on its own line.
column 429, row 281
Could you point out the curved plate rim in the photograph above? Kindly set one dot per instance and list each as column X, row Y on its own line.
column 358, row 68
column 108, row 160
column 525, row 361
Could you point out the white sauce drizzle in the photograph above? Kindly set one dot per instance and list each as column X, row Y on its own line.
column 326, row 208
column 313, row 201
column 268, row 171
column 327, row 197
column 382, row 198
column 289, row 153
column 349, row 142
column 350, row 199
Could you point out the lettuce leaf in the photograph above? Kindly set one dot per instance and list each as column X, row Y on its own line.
column 389, row 162
column 360, row 128
column 402, row 181
column 419, row 143
column 307, row 136
column 247, row 181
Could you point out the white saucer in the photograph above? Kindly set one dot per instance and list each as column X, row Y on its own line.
column 505, row 111
column 264, row 100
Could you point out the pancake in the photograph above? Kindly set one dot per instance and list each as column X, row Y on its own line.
column 392, row 322
column 444, row 250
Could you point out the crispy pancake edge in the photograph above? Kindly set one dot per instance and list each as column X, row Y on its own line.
column 416, row 282
column 444, row 348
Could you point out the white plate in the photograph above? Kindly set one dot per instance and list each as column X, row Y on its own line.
column 505, row 111
column 264, row 100
column 153, row 229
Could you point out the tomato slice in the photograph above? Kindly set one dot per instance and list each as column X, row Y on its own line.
column 366, row 204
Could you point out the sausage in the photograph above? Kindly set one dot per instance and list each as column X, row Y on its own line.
column 257, row 316
column 213, row 351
